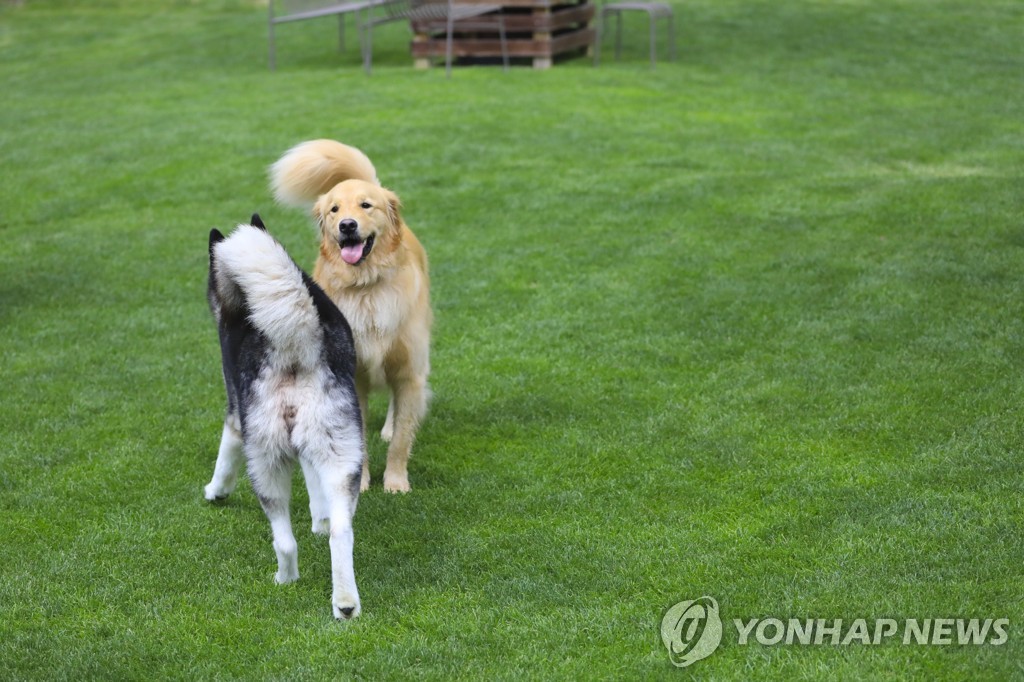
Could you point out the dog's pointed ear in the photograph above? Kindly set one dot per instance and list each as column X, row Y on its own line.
column 215, row 238
column 256, row 221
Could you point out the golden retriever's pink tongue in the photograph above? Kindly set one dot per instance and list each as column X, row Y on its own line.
column 352, row 254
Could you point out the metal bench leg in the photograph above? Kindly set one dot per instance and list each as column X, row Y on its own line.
column 618, row 35
column 504, row 42
column 449, row 39
column 671, row 37
column 368, row 49
column 654, row 38
column 341, row 32
column 272, row 57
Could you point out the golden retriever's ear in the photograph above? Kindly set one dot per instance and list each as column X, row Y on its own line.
column 394, row 207
column 318, row 212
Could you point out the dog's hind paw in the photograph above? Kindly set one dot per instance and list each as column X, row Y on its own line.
column 285, row 578
column 345, row 608
column 214, row 493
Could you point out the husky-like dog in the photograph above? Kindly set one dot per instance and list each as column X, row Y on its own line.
column 289, row 366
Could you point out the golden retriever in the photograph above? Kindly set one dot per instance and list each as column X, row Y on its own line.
column 373, row 267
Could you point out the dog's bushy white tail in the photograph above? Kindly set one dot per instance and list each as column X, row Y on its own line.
column 311, row 168
column 254, row 275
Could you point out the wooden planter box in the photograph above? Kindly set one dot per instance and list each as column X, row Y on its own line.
column 534, row 30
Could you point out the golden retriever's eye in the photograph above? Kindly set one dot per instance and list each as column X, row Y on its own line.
column 366, row 205
column 334, row 209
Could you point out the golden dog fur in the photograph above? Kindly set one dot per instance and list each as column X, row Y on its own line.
column 375, row 270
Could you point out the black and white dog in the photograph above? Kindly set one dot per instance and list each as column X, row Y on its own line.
column 289, row 365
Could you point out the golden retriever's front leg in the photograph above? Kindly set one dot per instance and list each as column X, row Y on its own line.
column 409, row 400
column 389, row 423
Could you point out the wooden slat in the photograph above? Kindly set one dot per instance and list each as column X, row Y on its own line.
column 541, row 34
column 491, row 47
column 562, row 18
column 573, row 40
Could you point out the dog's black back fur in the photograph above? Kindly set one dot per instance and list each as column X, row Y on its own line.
column 244, row 348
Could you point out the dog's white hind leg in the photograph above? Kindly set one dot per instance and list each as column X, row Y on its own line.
column 318, row 509
column 342, row 492
column 273, row 485
column 229, row 461
column 345, row 595
column 285, row 547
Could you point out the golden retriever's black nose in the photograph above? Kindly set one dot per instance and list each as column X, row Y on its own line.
column 348, row 226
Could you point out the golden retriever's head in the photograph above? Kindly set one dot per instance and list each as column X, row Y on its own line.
column 359, row 222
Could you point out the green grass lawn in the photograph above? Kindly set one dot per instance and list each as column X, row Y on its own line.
column 750, row 325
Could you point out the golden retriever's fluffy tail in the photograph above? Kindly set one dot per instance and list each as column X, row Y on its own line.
column 311, row 168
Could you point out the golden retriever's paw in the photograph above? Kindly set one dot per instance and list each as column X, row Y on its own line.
column 396, row 482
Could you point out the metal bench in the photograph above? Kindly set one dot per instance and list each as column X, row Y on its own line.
column 655, row 10
column 282, row 11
